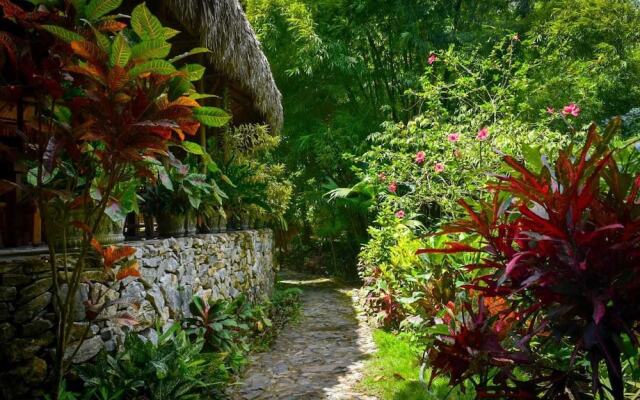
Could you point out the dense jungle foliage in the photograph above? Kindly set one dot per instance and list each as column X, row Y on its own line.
column 426, row 68
column 397, row 110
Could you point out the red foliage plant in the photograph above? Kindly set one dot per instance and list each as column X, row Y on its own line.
column 560, row 267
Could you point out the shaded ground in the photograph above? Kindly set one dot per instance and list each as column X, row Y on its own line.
column 320, row 357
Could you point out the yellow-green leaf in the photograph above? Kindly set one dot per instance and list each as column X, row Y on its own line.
column 120, row 52
column 154, row 48
column 197, row 50
column 99, row 8
column 211, row 116
column 195, row 72
column 160, row 67
column 103, row 41
column 145, row 24
column 169, row 33
column 64, row 34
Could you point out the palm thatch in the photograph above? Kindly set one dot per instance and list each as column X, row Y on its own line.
column 223, row 28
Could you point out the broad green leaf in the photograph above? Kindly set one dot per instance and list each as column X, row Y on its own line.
column 179, row 86
column 193, row 148
column 160, row 67
column 120, row 52
column 99, row 8
column 145, row 24
column 154, row 48
column 211, row 116
column 64, row 34
column 169, row 32
column 194, row 51
column 103, row 41
column 195, row 72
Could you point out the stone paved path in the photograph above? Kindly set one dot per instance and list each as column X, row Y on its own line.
column 320, row 357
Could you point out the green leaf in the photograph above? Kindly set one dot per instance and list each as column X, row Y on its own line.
column 211, row 116
column 154, row 48
column 194, row 51
column 194, row 72
column 103, row 41
column 64, row 34
column 179, row 86
column 145, row 24
column 99, row 8
column 170, row 32
column 193, row 148
column 198, row 96
column 160, row 67
column 120, row 52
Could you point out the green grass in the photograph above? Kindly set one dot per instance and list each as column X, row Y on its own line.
column 392, row 373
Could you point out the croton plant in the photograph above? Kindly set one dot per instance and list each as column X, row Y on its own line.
column 95, row 100
column 554, row 309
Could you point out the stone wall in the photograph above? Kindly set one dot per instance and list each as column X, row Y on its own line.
column 173, row 270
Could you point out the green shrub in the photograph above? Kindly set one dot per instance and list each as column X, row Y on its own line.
column 171, row 367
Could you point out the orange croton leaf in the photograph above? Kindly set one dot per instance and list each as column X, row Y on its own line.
column 96, row 245
column 111, row 25
column 190, row 127
column 89, row 70
column 113, row 254
column 87, row 50
column 184, row 101
column 132, row 269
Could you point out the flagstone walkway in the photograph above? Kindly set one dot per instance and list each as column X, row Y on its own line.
column 321, row 356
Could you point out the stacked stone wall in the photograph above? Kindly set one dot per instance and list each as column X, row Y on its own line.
column 172, row 271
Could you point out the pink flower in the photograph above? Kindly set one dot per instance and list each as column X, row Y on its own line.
column 382, row 177
column 453, row 137
column 432, row 58
column 550, row 110
column 571, row 109
column 439, row 167
column 420, row 156
column 393, row 187
column 400, row 214
column 483, row 134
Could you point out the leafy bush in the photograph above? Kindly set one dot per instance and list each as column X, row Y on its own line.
column 418, row 170
column 169, row 367
column 556, row 294
column 233, row 328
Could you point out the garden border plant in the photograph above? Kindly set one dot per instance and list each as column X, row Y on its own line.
column 101, row 97
column 558, row 270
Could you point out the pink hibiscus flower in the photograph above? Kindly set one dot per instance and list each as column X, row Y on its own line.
column 571, row 109
column 439, row 167
column 393, row 187
column 420, row 156
column 483, row 134
column 432, row 58
column 400, row 214
column 453, row 137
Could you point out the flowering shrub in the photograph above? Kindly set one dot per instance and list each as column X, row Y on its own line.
column 418, row 170
column 558, row 269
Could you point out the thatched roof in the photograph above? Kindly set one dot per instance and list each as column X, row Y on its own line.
column 222, row 26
